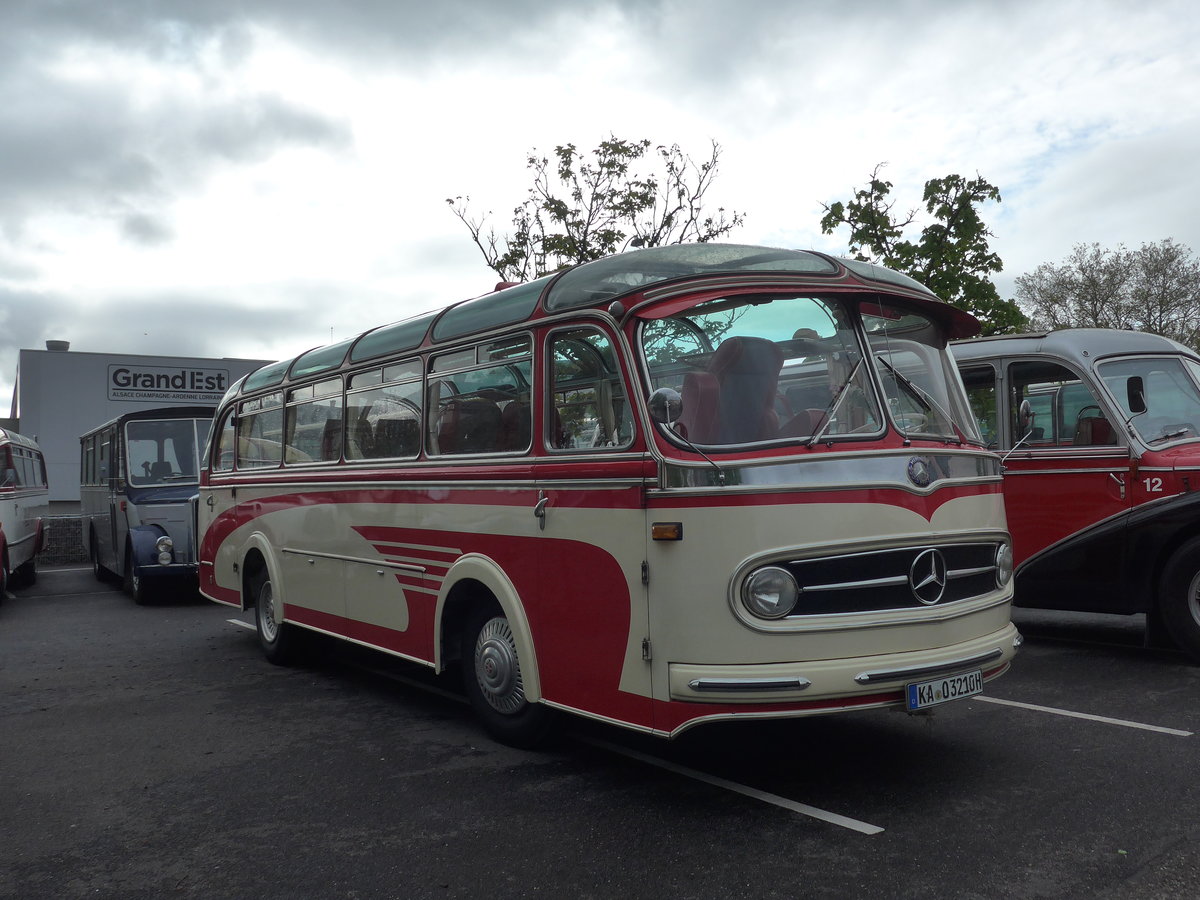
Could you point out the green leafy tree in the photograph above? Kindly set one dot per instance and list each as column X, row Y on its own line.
column 1155, row 288
column 950, row 256
column 621, row 195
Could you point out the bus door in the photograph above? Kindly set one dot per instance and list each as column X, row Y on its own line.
column 1067, row 465
column 592, row 520
column 108, row 513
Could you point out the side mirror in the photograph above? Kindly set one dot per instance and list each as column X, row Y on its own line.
column 665, row 406
column 1025, row 412
column 1135, row 391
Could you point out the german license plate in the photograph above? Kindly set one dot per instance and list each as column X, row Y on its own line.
column 923, row 694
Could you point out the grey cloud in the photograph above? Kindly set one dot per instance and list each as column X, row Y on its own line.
column 92, row 150
column 145, row 229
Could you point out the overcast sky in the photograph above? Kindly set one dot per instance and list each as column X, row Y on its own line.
column 252, row 178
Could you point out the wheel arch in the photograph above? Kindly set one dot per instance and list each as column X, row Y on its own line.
column 473, row 581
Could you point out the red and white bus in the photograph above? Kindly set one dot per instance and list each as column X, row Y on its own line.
column 1100, row 435
column 673, row 486
column 24, row 502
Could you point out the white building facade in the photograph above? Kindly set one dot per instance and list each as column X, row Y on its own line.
column 60, row 394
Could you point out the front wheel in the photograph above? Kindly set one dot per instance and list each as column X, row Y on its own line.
column 494, row 684
column 1179, row 597
column 135, row 584
column 277, row 638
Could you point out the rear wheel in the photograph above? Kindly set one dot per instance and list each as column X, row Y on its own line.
column 277, row 638
column 1179, row 597
column 494, row 683
column 26, row 573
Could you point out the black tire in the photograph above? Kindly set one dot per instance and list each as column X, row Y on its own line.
column 102, row 574
column 1179, row 597
column 26, row 573
column 134, row 584
column 493, row 683
column 279, row 641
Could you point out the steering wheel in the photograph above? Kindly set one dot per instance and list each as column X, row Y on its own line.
column 1099, row 412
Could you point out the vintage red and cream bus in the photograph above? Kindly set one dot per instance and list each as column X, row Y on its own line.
column 672, row 486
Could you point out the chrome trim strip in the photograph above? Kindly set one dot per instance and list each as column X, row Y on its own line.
column 733, row 685
column 928, row 671
column 967, row 573
column 356, row 559
column 853, row 585
column 894, row 580
column 1009, row 473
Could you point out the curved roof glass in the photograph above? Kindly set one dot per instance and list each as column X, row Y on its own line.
column 396, row 338
column 595, row 282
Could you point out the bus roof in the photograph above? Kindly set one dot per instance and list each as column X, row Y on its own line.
column 8, row 436
column 598, row 284
column 1082, row 345
column 158, row 412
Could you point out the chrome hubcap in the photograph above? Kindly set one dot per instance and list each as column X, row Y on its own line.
column 1193, row 599
column 266, row 614
column 497, row 669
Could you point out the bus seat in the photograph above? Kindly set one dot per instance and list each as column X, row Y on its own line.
column 1093, row 432
column 515, row 422
column 803, row 424
column 331, row 440
column 747, row 371
column 701, row 403
column 359, row 441
column 161, row 469
column 470, row 425
column 396, row 437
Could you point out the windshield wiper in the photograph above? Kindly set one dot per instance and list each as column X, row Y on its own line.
column 927, row 401
column 834, row 404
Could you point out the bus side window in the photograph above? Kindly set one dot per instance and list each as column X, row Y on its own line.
column 1060, row 402
column 260, row 433
column 589, row 407
column 223, row 458
column 478, row 410
column 980, row 382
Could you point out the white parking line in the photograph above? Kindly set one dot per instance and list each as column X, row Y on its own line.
column 782, row 802
column 1078, row 715
column 774, row 799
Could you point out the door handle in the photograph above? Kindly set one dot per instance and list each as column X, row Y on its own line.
column 1120, row 483
column 539, row 509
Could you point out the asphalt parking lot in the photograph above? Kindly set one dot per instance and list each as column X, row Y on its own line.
column 152, row 751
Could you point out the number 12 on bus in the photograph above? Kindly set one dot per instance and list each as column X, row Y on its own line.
column 673, row 486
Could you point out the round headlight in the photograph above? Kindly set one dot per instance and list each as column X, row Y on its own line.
column 770, row 593
column 164, row 544
column 1004, row 564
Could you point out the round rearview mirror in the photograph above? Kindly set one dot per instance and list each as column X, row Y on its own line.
column 665, row 406
column 1026, row 413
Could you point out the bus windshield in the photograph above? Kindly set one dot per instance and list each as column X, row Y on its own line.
column 164, row 451
column 1170, row 392
column 764, row 368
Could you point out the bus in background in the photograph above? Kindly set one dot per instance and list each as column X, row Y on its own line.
column 1100, row 434
column 673, row 486
column 137, row 474
column 24, row 502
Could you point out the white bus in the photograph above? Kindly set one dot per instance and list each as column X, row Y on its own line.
column 137, row 474
column 24, row 501
column 673, row 486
